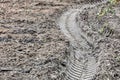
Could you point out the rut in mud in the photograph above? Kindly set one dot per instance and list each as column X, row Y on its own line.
column 82, row 65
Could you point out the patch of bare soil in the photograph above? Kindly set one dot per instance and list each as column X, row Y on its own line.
column 104, row 31
column 33, row 48
column 31, row 45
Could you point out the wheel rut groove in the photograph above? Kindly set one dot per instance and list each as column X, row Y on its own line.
column 81, row 65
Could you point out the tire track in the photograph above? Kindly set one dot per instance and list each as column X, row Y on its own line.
column 81, row 65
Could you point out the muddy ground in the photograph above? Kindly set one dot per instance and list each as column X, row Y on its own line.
column 32, row 46
column 104, row 31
